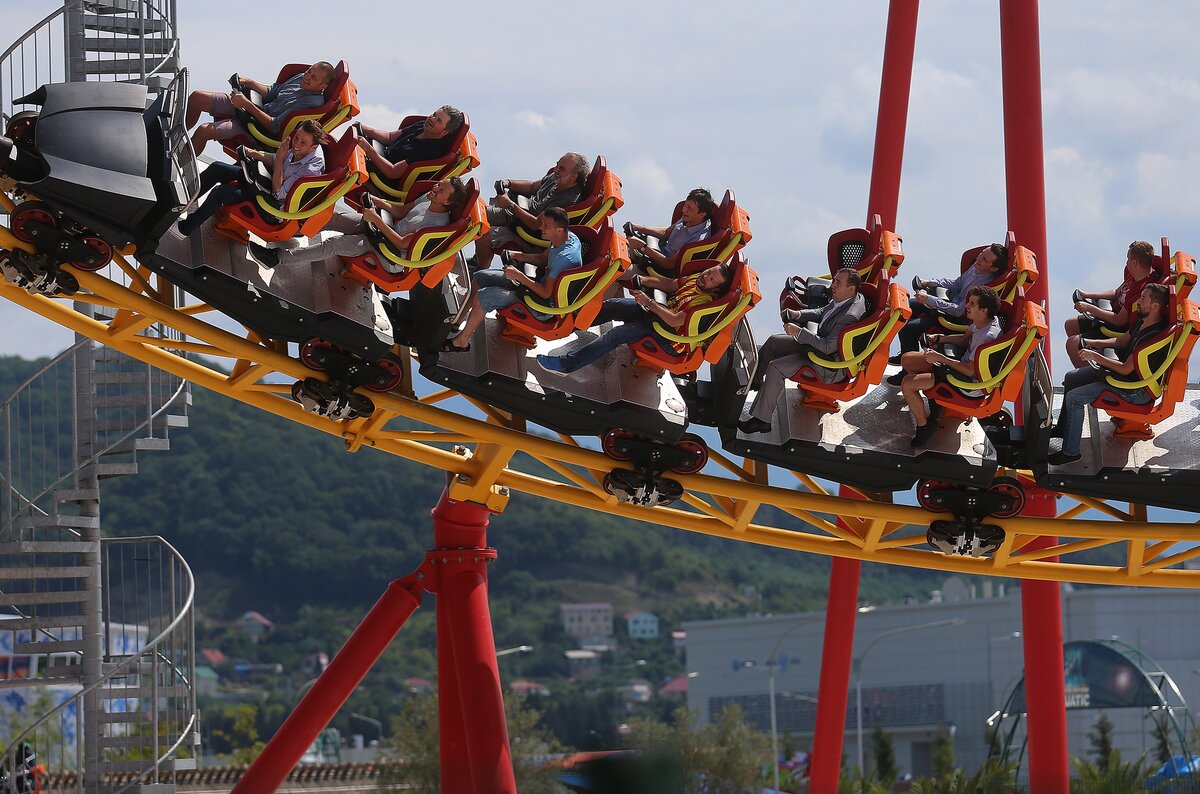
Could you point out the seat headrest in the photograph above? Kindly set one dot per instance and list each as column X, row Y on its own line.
column 871, row 293
column 595, row 178
column 341, row 73
column 342, row 150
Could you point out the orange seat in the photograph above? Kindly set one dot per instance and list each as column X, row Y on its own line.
column 1161, row 369
column 876, row 255
column 309, row 203
column 862, row 349
column 729, row 232
column 1181, row 275
column 1020, row 271
column 708, row 329
column 461, row 156
column 601, row 198
column 432, row 253
column 577, row 293
column 341, row 103
column 999, row 365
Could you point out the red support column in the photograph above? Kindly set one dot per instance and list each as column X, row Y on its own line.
column 840, row 613
column 1041, row 602
column 329, row 693
column 475, row 754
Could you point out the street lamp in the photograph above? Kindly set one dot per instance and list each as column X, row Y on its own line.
column 378, row 725
column 857, row 665
column 771, row 662
column 517, row 649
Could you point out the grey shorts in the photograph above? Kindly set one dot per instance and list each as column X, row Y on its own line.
column 503, row 233
column 224, row 117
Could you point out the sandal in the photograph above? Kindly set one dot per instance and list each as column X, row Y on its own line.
column 449, row 347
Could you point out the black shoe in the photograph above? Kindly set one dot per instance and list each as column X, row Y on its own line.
column 897, row 379
column 1061, row 458
column 923, row 434
column 894, row 360
column 1057, row 432
column 267, row 257
column 753, row 425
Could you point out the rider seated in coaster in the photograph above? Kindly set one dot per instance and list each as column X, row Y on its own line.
column 927, row 307
column 637, row 315
column 1139, row 271
column 299, row 155
column 418, row 142
column 495, row 289
column 431, row 209
column 694, row 224
column 782, row 355
column 562, row 187
column 923, row 369
column 1082, row 386
column 305, row 90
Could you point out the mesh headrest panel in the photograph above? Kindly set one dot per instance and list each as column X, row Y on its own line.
column 851, row 253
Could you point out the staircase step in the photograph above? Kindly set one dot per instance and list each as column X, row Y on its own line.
column 136, row 376
column 142, row 691
column 105, row 470
column 46, row 572
column 48, row 646
column 41, row 680
column 135, row 766
column 31, row 599
column 47, row 622
column 125, row 717
column 136, row 668
column 129, row 45
column 112, row 6
column 50, row 546
column 122, row 399
column 54, row 520
column 77, row 495
column 130, row 26
column 164, row 741
column 141, row 444
column 127, row 66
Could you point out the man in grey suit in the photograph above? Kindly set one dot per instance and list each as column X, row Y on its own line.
column 784, row 354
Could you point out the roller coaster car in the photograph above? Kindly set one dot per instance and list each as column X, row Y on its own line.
column 729, row 232
column 862, row 348
column 875, row 254
column 341, row 103
column 708, row 328
column 308, row 205
column 1020, row 272
column 601, row 198
column 577, row 293
column 461, row 156
column 102, row 166
column 433, row 250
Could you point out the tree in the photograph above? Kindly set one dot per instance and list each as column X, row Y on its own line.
column 414, row 743
column 236, row 728
column 884, row 755
column 1114, row 776
column 1101, row 739
column 1162, row 737
column 725, row 757
column 943, row 753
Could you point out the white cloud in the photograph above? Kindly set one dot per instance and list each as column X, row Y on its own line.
column 383, row 117
column 533, row 119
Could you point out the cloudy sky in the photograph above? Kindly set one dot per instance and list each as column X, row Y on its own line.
column 775, row 100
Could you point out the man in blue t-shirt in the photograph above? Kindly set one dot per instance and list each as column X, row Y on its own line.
column 495, row 289
column 304, row 90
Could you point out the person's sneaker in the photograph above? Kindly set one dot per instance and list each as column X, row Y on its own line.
column 894, row 360
column 923, row 434
column 754, row 425
column 552, row 364
column 267, row 257
column 897, row 379
column 1061, row 458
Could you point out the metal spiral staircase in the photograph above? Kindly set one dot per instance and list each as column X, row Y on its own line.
column 96, row 634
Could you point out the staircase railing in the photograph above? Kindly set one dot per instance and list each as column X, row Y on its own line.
column 149, row 693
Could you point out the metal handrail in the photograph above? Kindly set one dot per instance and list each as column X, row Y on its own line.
column 33, row 30
column 123, row 668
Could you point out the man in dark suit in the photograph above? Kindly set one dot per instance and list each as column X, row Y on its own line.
column 784, row 354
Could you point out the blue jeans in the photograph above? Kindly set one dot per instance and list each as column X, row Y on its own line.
column 1074, row 408
column 635, row 324
column 222, row 180
column 495, row 290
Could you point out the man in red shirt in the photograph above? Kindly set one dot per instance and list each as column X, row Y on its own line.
column 1139, row 271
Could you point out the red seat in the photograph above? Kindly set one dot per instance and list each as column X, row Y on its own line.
column 729, row 232
column 1161, row 370
column 601, row 198
column 862, row 349
column 577, row 293
column 309, row 203
column 708, row 330
column 876, row 255
column 1020, row 271
column 341, row 103
column 999, row 365
column 432, row 253
column 460, row 158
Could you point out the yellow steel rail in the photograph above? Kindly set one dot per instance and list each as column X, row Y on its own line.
column 721, row 506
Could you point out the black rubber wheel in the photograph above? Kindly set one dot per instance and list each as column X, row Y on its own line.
column 361, row 404
column 927, row 495
column 67, row 284
column 1010, row 487
column 697, row 452
column 298, row 391
column 28, row 212
column 390, row 376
